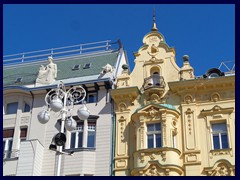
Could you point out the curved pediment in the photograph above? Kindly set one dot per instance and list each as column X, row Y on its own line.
column 152, row 109
column 216, row 110
column 221, row 168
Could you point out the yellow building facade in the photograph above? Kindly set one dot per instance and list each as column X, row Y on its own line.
column 169, row 122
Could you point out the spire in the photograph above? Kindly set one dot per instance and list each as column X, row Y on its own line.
column 154, row 28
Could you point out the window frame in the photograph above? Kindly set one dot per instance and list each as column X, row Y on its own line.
column 154, row 133
column 25, row 104
column 92, row 93
column 219, row 133
column 86, row 66
column 7, row 150
column 6, row 110
column 81, row 129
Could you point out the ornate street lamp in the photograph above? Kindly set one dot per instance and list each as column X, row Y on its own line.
column 60, row 100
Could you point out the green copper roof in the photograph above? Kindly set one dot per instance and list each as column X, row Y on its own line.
column 64, row 68
column 168, row 106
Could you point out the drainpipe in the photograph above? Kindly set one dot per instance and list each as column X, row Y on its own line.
column 113, row 137
column 31, row 111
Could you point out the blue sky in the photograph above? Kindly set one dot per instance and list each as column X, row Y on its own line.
column 205, row 32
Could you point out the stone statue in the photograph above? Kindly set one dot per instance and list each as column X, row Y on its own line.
column 107, row 68
column 47, row 75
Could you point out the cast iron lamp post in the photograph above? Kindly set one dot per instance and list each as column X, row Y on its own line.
column 60, row 100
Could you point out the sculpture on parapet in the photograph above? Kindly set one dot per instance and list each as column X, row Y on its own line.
column 47, row 74
column 107, row 68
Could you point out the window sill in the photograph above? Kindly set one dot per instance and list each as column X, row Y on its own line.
column 10, row 159
column 216, row 152
column 79, row 149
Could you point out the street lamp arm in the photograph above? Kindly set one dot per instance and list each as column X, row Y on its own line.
column 60, row 100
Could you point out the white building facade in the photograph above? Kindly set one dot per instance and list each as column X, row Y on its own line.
column 26, row 141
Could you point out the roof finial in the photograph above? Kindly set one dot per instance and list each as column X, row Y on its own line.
column 154, row 28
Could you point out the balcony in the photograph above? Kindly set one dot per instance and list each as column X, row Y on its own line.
column 154, row 81
column 154, row 84
column 10, row 154
column 157, row 161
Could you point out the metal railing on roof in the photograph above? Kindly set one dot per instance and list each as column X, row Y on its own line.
column 65, row 51
column 228, row 67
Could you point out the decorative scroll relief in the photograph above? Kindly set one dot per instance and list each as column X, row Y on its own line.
column 153, row 170
column 189, row 128
column 221, row 169
column 152, row 112
column 153, row 51
column 153, row 39
column 121, row 142
column 152, row 156
column 155, row 98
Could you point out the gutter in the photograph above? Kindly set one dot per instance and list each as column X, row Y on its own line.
column 54, row 85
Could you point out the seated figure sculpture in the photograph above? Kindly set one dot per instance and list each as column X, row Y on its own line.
column 48, row 74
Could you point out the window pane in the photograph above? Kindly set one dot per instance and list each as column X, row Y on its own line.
column 158, row 127
column 26, row 108
column 224, row 141
column 216, row 144
column 150, row 127
column 92, row 98
column 220, row 127
column 150, row 141
column 10, row 141
column 158, row 140
column 9, row 148
column 73, row 138
column 8, row 133
column 91, row 139
column 12, row 108
column 23, row 133
column 80, row 138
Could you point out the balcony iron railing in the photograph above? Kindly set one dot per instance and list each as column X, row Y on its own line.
column 61, row 52
column 154, row 81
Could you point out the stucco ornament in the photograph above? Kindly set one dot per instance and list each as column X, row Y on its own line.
column 154, row 171
column 152, row 112
column 107, row 68
column 47, row 74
